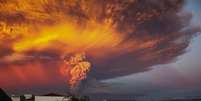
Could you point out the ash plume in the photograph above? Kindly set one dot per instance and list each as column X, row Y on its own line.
column 120, row 37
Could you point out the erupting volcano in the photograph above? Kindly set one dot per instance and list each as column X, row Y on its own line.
column 75, row 69
column 45, row 42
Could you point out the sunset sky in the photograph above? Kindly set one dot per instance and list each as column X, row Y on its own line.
column 135, row 47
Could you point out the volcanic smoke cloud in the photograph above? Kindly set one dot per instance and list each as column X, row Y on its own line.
column 120, row 37
column 75, row 68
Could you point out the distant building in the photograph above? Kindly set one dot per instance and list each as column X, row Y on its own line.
column 26, row 97
column 52, row 97
column 48, row 97
column 15, row 98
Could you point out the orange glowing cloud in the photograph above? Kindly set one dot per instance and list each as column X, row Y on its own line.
column 120, row 37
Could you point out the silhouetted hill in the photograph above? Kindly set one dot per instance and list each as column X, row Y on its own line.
column 4, row 96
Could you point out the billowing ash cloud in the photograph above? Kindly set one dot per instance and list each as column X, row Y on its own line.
column 160, row 30
column 120, row 37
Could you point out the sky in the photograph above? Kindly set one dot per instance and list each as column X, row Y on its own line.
column 146, row 48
